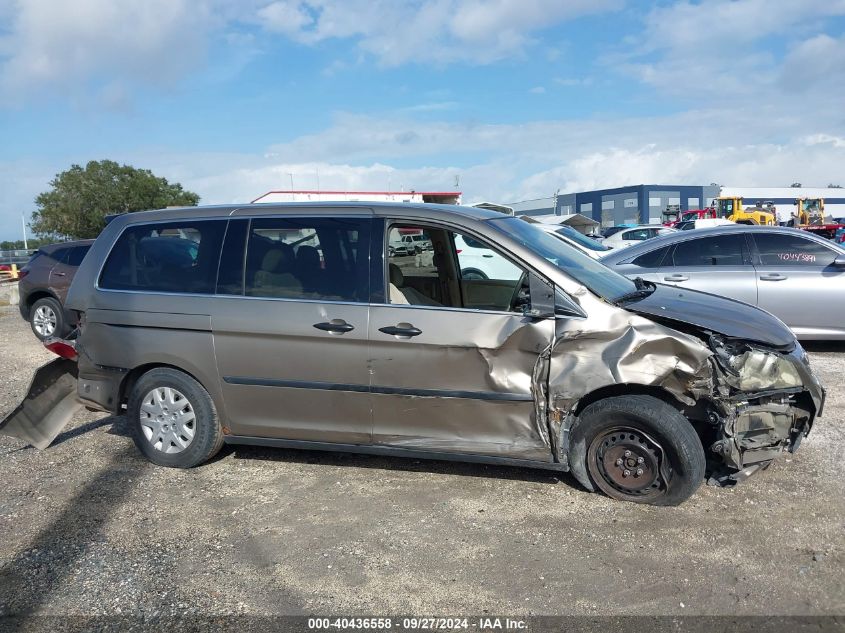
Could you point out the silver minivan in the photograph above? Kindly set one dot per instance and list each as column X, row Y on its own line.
column 293, row 326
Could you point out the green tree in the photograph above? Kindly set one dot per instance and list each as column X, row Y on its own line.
column 80, row 199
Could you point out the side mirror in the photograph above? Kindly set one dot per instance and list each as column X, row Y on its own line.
column 839, row 262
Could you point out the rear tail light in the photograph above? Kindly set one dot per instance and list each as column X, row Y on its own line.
column 61, row 348
column 23, row 272
column 458, row 250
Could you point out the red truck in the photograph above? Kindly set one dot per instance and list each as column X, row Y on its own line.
column 671, row 217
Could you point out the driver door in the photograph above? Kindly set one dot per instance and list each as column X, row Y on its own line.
column 452, row 359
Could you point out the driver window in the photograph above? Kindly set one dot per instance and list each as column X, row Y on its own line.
column 444, row 268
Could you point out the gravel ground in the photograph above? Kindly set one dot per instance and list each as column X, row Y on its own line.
column 90, row 527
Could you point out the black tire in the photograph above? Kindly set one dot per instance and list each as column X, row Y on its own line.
column 656, row 445
column 418, row 250
column 50, row 306
column 472, row 273
column 207, row 432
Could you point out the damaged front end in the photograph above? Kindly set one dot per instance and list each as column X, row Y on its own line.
column 765, row 402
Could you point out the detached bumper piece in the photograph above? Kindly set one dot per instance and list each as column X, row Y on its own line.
column 755, row 433
column 48, row 406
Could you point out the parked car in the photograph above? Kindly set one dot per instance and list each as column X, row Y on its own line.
column 478, row 261
column 418, row 242
column 797, row 276
column 43, row 285
column 635, row 235
column 702, row 223
column 611, row 230
column 582, row 242
column 569, row 367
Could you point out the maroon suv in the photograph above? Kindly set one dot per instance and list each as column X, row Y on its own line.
column 44, row 282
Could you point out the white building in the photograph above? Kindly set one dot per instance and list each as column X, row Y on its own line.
column 440, row 197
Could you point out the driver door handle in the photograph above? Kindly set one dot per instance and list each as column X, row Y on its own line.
column 395, row 330
column 676, row 277
column 772, row 277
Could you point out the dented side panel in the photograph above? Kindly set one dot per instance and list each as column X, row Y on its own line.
column 617, row 347
column 472, row 382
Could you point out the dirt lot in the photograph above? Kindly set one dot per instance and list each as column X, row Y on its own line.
column 89, row 527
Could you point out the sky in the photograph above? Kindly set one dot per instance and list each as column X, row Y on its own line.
column 505, row 100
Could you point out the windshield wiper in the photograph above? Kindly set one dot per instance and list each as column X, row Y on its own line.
column 644, row 289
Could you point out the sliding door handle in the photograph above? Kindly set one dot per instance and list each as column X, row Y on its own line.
column 338, row 326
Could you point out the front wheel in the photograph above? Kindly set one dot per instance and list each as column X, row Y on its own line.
column 637, row 448
column 472, row 274
column 174, row 420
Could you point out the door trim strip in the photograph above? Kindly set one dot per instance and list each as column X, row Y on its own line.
column 393, row 391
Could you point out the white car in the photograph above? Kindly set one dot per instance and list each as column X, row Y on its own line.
column 636, row 234
column 479, row 262
column 583, row 243
column 703, row 223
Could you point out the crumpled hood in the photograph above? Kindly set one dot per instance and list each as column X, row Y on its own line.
column 731, row 318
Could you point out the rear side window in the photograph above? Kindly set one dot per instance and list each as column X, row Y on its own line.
column 778, row 249
column 308, row 258
column 652, row 259
column 723, row 250
column 76, row 255
column 638, row 234
column 168, row 257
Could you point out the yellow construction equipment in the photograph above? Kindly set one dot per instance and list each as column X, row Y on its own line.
column 731, row 208
column 810, row 211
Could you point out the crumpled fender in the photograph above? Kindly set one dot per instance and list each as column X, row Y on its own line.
column 48, row 406
column 616, row 347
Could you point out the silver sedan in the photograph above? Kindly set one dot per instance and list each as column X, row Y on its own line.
column 797, row 276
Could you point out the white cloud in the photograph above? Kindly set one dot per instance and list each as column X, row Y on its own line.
column 57, row 45
column 397, row 32
column 538, row 90
column 721, row 49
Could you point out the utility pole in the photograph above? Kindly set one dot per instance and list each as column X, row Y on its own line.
column 23, row 224
column 317, row 170
column 290, row 173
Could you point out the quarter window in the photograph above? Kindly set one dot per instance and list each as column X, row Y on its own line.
column 724, row 250
column 166, row 257
column 778, row 249
column 308, row 258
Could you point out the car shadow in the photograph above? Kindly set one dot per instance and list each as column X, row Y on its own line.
column 400, row 464
column 29, row 578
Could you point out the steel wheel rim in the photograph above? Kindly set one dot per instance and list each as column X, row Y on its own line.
column 168, row 420
column 616, row 455
column 44, row 320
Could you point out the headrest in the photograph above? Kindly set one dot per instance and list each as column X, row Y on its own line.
column 308, row 255
column 396, row 276
column 276, row 260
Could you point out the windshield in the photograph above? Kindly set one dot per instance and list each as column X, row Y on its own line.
column 581, row 239
column 597, row 277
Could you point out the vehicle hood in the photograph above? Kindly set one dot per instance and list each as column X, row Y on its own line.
column 728, row 317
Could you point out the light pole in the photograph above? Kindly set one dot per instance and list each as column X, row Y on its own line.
column 23, row 224
column 290, row 173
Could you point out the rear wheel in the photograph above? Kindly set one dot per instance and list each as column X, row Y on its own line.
column 46, row 318
column 637, row 448
column 174, row 420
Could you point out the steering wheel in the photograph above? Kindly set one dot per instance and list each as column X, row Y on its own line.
column 521, row 294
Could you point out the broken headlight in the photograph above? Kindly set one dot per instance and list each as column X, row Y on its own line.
column 750, row 368
column 758, row 370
